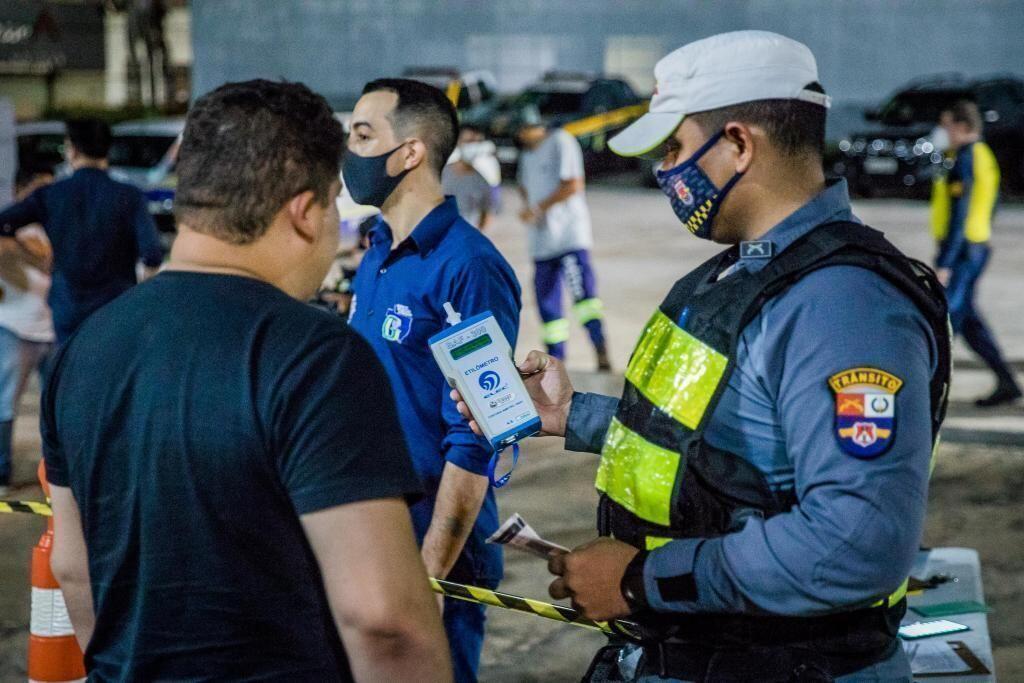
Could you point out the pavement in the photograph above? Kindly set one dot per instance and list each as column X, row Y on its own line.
column 641, row 249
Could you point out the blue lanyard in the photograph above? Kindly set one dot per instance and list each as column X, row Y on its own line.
column 493, row 465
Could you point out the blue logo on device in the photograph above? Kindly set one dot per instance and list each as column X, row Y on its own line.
column 489, row 380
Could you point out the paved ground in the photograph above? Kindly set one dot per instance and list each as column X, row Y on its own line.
column 641, row 249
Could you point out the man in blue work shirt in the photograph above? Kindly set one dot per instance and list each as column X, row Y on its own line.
column 764, row 475
column 963, row 199
column 422, row 255
column 99, row 229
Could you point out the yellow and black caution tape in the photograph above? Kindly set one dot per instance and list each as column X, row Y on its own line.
column 31, row 507
column 605, row 121
column 566, row 615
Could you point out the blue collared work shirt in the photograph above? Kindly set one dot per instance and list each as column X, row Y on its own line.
column 99, row 229
column 399, row 295
column 857, row 524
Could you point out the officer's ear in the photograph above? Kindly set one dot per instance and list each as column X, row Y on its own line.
column 741, row 138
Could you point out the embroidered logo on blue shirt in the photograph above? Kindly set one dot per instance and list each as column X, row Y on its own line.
column 865, row 410
column 397, row 323
column 756, row 249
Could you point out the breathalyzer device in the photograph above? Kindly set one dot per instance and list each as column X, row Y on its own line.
column 475, row 358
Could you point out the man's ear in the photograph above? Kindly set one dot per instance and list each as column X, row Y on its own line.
column 302, row 214
column 742, row 137
column 415, row 153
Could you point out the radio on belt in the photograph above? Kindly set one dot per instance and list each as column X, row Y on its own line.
column 477, row 360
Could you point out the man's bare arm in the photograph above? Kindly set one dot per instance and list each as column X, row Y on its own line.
column 459, row 497
column 378, row 591
column 565, row 189
column 70, row 564
column 485, row 219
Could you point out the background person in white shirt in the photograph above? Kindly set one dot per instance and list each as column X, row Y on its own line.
column 26, row 326
column 461, row 179
column 551, row 182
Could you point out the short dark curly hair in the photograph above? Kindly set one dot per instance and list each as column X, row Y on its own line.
column 247, row 149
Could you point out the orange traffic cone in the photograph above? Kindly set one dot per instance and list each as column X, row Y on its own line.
column 53, row 652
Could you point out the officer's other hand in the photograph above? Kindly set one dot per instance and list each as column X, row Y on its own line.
column 549, row 387
column 591, row 575
column 943, row 275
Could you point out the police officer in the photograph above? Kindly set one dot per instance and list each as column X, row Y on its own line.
column 763, row 478
column 963, row 199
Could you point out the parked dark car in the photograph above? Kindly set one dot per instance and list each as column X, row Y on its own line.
column 897, row 155
column 591, row 108
column 40, row 144
column 465, row 89
column 144, row 154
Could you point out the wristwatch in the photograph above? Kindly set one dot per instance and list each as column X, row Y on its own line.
column 632, row 584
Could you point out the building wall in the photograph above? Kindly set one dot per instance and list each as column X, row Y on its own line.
column 27, row 93
column 71, row 88
column 865, row 48
column 177, row 37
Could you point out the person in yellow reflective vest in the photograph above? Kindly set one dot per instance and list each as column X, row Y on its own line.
column 763, row 477
column 964, row 196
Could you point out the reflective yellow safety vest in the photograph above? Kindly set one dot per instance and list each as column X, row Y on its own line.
column 972, row 176
column 659, row 480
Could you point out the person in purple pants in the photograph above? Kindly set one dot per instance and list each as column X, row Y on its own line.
column 551, row 182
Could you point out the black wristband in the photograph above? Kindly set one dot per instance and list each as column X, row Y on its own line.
column 632, row 584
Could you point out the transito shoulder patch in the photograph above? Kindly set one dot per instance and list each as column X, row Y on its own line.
column 865, row 410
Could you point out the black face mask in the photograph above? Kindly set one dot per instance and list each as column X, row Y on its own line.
column 367, row 178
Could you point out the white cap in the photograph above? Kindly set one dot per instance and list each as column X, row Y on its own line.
column 725, row 69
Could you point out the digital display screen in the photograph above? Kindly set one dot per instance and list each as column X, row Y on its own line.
column 471, row 346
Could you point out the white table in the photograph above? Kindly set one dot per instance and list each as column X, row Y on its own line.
column 964, row 566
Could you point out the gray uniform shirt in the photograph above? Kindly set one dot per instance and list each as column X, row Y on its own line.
column 854, row 532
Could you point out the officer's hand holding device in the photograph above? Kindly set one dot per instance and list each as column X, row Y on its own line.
column 476, row 358
column 547, row 384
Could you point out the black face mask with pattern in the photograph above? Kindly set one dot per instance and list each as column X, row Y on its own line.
column 695, row 197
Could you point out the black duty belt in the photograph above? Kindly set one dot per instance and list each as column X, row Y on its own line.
column 692, row 662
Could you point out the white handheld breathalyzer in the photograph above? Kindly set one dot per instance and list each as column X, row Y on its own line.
column 475, row 358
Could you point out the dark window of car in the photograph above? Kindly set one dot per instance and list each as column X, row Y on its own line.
column 485, row 92
column 997, row 97
column 466, row 99
column 40, row 150
column 624, row 94
column 552, row 103
column 918, row 106
column 600, row 98
column 139, row 151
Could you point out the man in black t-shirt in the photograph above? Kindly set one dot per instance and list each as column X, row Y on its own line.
column 230, row 457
